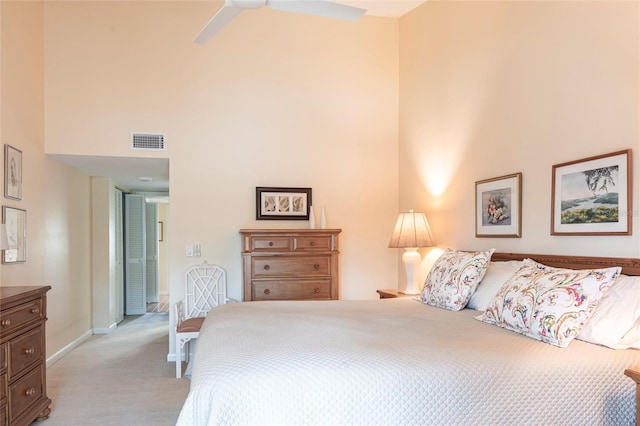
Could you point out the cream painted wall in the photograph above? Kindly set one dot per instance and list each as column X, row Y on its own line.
column 56, row 197
column 276, row 99
column 103, row 259
column 493, row 88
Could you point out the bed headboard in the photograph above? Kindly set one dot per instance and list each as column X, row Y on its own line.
column 630, row 266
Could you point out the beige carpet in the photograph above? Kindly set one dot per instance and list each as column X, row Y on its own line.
column 122, row 378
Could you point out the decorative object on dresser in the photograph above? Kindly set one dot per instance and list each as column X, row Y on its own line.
column 23, row 390
column 411, row 232
column 290, row 264
column 283, row 203
column 499, row 206
column 592, row 196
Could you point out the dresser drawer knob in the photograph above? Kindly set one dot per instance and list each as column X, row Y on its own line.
column 30, row 392
column 5, row 322
column 29, row 351
column 270, row 243
column 312, row 243
column 316, row 266
column 267, row 291
column 35, row 310
column 316, row 290
column 267, row 267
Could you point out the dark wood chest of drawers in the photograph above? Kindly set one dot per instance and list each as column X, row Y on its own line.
column 290, row 264
column 23, row 390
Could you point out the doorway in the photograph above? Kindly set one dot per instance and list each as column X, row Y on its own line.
column 145, row 229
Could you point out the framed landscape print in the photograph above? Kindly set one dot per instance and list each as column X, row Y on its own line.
column 12, row 173
column 498, row 206
column 16, row 223
column 592, row 196
column 282, row 203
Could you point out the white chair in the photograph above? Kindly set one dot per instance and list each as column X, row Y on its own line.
column 205, row 288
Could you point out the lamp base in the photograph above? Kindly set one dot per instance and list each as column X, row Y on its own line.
column 411, row 260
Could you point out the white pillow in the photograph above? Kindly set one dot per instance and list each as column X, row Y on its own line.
column 454, row 278
column 615, row 316
column 497, row 274
column 547, row 303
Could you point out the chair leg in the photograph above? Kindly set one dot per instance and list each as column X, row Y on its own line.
column 178, row 358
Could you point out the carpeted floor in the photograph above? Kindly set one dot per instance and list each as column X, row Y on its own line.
column 121, row 378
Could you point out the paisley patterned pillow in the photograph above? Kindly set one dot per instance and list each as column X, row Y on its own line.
column 454, row 277
column 549, row 304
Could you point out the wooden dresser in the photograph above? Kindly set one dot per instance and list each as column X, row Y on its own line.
column 290, row 264
column 23, row 390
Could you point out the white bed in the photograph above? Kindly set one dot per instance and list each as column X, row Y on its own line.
column 395, row 361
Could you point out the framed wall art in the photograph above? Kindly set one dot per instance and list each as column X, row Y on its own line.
column 16, row 223
column 12, row 173
column 499, row 206
column 282, row 203
column 592, row 196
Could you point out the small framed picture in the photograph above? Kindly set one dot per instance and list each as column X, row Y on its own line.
column 499, row 207
column 282, row 203
column 12, row 173
column 592, row 196
column 16, row 222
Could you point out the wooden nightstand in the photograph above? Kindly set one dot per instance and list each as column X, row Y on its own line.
column 390, row 293
column 634, row 373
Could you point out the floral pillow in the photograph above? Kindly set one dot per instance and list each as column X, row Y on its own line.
column 549, row 304
column 454, row 277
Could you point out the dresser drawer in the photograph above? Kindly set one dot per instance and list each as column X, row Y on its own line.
column 313, row 243
column 25, row 392
column 290, row 264
column 25, row 351
column 271, row 244
column 20, row 316
column 299, row 266
column 291, row 290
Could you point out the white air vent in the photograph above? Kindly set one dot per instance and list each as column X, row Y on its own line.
column 148, row 141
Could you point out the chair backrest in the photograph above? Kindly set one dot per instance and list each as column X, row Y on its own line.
column 205, row 288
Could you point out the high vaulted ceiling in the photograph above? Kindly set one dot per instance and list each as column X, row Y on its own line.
column 127, row 171
column 386, row 8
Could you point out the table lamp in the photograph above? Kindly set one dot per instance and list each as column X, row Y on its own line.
column 411, row 232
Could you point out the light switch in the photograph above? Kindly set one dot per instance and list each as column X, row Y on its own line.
column 189, row 251
column 196, row 250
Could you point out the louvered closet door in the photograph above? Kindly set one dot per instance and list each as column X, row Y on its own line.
column 152, row 252
column 119, row 260
column 135, row 254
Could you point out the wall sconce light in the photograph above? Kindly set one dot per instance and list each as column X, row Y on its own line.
column 411, row 232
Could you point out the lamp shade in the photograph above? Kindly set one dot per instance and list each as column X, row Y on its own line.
column 4, row 241
column 411, row 230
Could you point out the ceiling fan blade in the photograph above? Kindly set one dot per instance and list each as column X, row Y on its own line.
column 319, row 8
column 218, row 22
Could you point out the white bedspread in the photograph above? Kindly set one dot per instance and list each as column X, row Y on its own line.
column 392, row 362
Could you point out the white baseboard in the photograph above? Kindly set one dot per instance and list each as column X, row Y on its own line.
column 105, row 330
column 71, row 346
